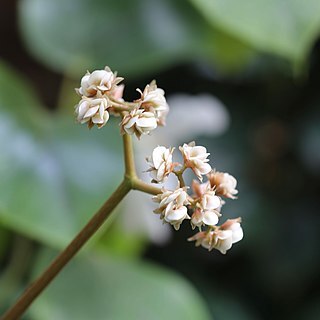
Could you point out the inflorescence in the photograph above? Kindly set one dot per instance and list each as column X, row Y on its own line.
column 101, row 96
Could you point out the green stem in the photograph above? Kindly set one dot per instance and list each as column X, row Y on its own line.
column 181, row 180
column 130, row 169
column 67, row 254
column 127, row 106
column 179, row 174
column 137, row 184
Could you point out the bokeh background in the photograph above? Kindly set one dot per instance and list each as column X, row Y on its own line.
column 241, row 77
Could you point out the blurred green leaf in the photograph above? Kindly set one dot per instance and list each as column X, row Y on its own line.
column 228, row 53
column 14, row 91
column 108, row 288
column 135, row 36
column 54, row 174
column 121, row 243
column 285, row 28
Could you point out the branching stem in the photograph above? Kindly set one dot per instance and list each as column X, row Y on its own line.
column 130, row 182
column 179, row 174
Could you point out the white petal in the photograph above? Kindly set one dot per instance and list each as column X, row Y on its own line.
column 224, row 234
column 161, row 171
column 147, row 123
column 106, row 116
column 101, row 110
column 198, row 151
column 91, row 112
column 210, row 218
column 176, row 215
column 157, row 156
column 223, row 245
column 197, row 218
column 237, row 232
column 205, row 168
column 213, row 202
column 97, row 119
column 130, row 123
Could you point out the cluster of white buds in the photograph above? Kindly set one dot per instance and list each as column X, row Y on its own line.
column 102, row 95
column 203, row 206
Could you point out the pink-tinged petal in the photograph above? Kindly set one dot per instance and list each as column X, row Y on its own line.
column 197, row 218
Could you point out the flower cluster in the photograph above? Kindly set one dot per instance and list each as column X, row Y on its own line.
column 102, row 94
column 203, row 206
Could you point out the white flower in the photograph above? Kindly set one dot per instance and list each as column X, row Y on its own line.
column 195, row 157
column 161, row 163
column 206, row 196
column 234, row 226
column 221, row 238
column 98, row 81
column 224, row 183
column 207, row 217
column 92, row 111
column 138, row 122
column 176, row 216
column 152, row 99
column 207, row 205
column 172, row 206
